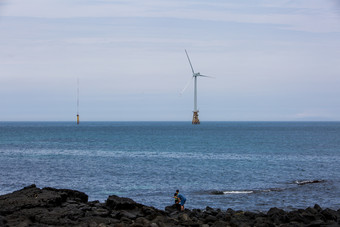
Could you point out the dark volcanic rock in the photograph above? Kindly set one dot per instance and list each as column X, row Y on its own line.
column 118, row 203
column 173, row 208
column 329, row 214
column 32, row 197
column 277, row 215
column 32, row 206
column 71, row 194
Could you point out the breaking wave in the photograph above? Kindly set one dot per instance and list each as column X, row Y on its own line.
column 243, row 191
column 231, row 192
column 303, row 182
column 297, row 182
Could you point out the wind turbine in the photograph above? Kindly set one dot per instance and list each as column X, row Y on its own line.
column 195, row 119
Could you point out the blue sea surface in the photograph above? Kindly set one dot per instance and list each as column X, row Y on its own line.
column 240, row 165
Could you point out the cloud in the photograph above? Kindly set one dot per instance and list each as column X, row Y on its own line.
column 309, row 16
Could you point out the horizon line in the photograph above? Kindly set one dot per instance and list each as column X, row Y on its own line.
column 171, row 121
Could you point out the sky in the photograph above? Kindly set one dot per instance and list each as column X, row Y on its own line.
column 271, row 60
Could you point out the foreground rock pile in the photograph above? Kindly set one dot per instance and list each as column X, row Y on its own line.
column 33, row 206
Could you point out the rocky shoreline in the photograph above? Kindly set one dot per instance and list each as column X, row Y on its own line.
column 32, row 206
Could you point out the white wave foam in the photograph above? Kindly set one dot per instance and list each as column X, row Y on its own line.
column 308, row 182
column 238, row 192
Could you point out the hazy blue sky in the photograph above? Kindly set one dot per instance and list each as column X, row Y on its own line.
column 272, row 60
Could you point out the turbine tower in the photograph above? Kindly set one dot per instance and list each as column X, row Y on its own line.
column 77, row 101
column 195, row 119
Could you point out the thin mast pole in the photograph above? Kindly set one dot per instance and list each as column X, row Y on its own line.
column 77, row 96
column 78, row 100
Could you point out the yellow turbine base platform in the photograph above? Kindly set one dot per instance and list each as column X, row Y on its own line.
column 77, row 119
column 195, row 120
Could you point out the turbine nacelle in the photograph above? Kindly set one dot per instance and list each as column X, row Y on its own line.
column 199, row 74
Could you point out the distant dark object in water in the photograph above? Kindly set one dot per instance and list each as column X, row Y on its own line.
column 309, row 182
column 216, row 193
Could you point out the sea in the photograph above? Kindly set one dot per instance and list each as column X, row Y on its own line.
column 239, row 165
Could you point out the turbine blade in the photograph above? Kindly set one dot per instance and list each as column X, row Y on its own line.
column 186, row 86
column 206, row 76
column 193, row 72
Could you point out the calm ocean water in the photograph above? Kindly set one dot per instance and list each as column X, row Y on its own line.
column 239, row 165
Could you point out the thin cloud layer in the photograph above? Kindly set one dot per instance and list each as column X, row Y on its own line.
column 310, row 16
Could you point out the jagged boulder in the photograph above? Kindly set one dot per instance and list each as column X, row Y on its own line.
column 121, row 203
column 33, row 197
column 277, row 215
column 71, row 194
column 173, row 208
